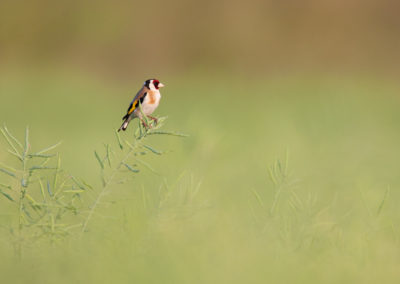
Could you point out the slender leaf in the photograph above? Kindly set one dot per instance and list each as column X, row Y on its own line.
column 130, row 145
column 48, row 148
column 31, row 199
column 77, row 183
column 9, row 141
column 8, row 167
column 130, row 168
column 27, row 214
column 86, row 184
column 12, row 137
column 158, row 132
column 34, row 168
column 148, row 166
column 119, row 140
column 49, row 189
column 42, row 190
column 41, row 156
column 6, row 186
column 15, row 154
column 7, row 172
column 56, row 172
column 272, row 175
column 99, row 160
column 45, row 161
column 152, row 150
column 258, row 197
column 383, row 201
column 108, row 150
column 7, row 196
column 26, row 147
column 74, row 191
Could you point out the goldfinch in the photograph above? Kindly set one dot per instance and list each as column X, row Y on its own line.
column 149, row 97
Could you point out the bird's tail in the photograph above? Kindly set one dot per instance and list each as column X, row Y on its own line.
column 124, row 125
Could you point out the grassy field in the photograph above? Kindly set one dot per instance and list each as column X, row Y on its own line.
column 281, row 180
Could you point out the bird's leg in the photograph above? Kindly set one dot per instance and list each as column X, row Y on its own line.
column 153, row 118
column 145, row 124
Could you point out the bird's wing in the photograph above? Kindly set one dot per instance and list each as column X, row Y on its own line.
column 138, row 98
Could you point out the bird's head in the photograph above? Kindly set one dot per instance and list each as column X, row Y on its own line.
column 153, row 84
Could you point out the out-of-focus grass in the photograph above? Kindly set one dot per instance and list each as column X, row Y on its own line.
column 207, row 217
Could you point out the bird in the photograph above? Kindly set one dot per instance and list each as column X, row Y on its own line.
column 149, row 98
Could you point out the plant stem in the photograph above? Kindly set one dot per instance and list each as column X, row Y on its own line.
column 21, row 206
column 103, row 191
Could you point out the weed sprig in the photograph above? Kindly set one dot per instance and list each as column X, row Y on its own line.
column 40, row 191
column 128, row 160
column 48, row 201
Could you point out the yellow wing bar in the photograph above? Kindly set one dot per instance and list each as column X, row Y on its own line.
column 132, row 107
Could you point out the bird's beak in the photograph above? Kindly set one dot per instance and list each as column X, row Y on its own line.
column 160, row 85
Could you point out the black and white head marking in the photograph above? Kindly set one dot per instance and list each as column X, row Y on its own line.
column 152, row 84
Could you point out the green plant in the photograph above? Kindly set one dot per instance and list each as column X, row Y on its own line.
column 44, row 196
column 124, row 157
column 49, row 203
column 295, row 219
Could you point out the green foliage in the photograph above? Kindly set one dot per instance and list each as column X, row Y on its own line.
column 48, row 201
column 115, row 163
column 44, row 197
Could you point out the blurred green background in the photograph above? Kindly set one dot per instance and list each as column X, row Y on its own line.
column 305, row 90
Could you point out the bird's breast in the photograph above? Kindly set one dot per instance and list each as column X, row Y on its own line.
column 151, row 102
column 154, row 98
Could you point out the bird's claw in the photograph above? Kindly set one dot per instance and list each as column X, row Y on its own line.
column 145, row 125
column 148, row 126
column 155, row 119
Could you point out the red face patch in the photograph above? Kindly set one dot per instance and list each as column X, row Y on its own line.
column 156, row 82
